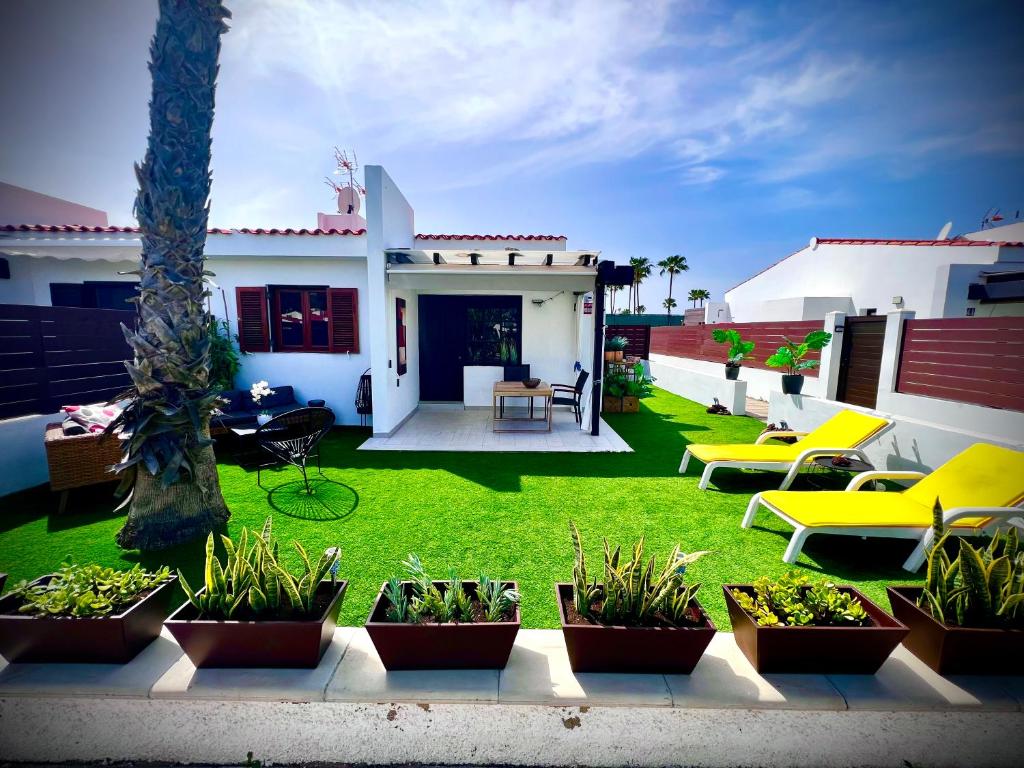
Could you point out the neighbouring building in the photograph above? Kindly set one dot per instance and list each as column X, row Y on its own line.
column 435, row 317
column 978, row 274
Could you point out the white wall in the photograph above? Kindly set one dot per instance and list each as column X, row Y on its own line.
column 869, row 275
column 673, row 374
column 331, row 377
column 490, row 244
column 760, row 383
column 23, row 458
column 913, row 443
column 31, row 277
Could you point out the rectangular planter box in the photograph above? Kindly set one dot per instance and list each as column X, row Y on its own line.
column 271, row 643
column 665, row 650
column 951, row 650
column 477, row 645
column 821, row 650
column 114, row 639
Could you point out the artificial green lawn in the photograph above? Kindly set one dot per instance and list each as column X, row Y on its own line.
column 502, row 513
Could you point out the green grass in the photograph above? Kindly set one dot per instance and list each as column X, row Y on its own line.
column 505, row 514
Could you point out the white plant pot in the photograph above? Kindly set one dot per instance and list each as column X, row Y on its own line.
column 263, row 418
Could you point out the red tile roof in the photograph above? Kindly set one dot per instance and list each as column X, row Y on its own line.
column 950, row 243
column 490, row 237
column 213, row 230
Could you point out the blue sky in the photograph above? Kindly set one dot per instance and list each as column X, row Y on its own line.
column 727, row 132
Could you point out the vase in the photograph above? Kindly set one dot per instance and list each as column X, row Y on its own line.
column 263, row 418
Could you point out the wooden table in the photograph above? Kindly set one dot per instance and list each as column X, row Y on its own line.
column 503, row 389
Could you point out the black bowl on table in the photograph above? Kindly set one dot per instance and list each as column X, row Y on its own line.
column 531, row 383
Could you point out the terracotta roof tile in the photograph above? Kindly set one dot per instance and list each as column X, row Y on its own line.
column 490, row 237
column 213, row 230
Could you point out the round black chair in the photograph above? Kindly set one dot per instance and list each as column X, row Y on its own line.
column 294, row 437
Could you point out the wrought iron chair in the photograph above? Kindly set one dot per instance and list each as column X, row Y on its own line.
column 294, row 437
column 575, row 393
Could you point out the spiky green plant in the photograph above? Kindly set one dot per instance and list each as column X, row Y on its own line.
column 794, row 600
column 169, row 463
column 982, row 587
column 453, row 603
column 634, row 592
column 253, row 577
column 495, row 598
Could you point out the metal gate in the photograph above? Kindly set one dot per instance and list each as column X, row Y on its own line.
column 861, row 360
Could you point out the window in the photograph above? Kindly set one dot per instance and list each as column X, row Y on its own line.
column 94, row 294
column 493, row 335
column 298, row 319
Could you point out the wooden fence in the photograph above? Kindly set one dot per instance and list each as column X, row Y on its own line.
column 638, row 336
column 976, row 360
column 695, row 342
column 54, row 356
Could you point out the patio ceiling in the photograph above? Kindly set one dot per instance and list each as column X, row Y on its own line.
column 433, row 269
column 505, row 257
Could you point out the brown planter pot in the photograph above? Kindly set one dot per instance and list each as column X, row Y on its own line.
column 619, row 355
column 821, row 650
column 609, row 355
column 611, row 404
column 951, row 650
column 265, row 643
column 663, row 650
column 477, row 645
column 631, row 405
column 114, row 639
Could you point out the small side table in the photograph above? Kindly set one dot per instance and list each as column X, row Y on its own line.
column 823, row 464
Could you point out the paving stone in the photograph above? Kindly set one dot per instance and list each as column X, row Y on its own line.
column 361, row 677
column 538, row 672
column 133, row 679
column 184, row 681
column 724, row 679
column 906, row 683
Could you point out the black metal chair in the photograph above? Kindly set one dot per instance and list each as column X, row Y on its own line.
column 575, row 393
column 294, row 437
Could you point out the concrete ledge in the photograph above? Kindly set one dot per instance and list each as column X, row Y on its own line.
column 535, row 712
column 680, row 378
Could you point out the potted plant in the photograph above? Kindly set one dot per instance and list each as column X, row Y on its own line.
column 794, row 625
column 615, row 348
column 738, row 350
column 969, row 616
column 84, row 614
column 257, row 392
column 639, row 619
column 454, row 624
column 253, row 612
column 623, row 393
column 792, row 357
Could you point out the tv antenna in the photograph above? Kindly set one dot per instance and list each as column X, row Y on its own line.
column 348, row 201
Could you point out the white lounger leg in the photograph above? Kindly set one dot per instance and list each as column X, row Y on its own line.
column 684, row 462
column 748, row 519
column 796, row 543
column 920, row 553
column 706, row 477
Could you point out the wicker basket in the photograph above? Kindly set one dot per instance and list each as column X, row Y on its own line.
column 79, row 460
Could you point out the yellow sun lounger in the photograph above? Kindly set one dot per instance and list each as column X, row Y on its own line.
column 843, row 434
column 980, row 489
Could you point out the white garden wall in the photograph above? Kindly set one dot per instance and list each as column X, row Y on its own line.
column 675, row 375
column 760, row 383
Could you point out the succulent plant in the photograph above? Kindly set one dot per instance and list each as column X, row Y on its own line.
column 453, row 603
column 87, row 590
column 634, row 591
column 616, row 344
column 253, row 577
column 793, row 600
column 982, row 587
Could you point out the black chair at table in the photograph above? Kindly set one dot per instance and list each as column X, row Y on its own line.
column 575, row 393
column 293, row 438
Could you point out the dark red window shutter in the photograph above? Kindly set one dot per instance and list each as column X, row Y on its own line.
column 343, row 305
column 253, row 328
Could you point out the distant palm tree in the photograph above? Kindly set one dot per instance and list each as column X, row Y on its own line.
column 640, row 309
column 669, row 303
column 641, row 271
column 702, row 294
column 673, row 265
column 169, row 461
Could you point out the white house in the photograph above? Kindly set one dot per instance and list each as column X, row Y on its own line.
column 315, row 308
column 981, row 273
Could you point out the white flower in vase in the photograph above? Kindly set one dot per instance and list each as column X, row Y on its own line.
column 257, row 392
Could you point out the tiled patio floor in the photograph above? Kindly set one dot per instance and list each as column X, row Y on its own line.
column 454, row 428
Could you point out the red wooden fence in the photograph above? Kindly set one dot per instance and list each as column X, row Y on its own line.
column 976, row 360
column 638, row 338
column 696, row 343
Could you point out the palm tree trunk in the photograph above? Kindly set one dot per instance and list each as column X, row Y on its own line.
column 176, row 494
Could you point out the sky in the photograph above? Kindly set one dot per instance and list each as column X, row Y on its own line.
column 727, row 132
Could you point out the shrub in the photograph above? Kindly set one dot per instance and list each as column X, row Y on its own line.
column 791, row 355
column 634, row 592
column 616, row 344
column 225, row 361
column 793, row 600
column 87, row 590
column 739, row 349
column 253, row 578
column 429, row 602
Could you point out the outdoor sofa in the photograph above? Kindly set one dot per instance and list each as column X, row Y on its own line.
column 239, row 410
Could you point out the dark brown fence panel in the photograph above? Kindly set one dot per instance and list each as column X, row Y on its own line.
column 696, row 343
column 638, row 336
column 977, row 360
column 54, row 356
